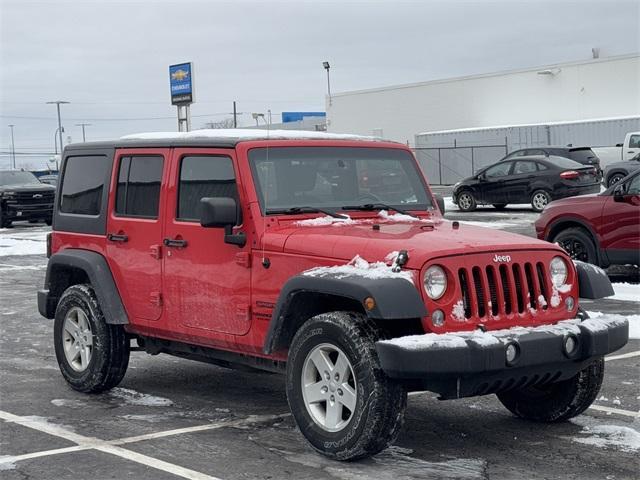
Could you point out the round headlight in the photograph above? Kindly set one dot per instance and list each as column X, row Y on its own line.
column 435, row 282
column 558, row 270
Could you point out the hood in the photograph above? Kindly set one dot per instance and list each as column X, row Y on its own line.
column 424, row 240
column 580, row 200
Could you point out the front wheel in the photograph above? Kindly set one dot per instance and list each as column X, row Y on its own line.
column 578, row 244
column 93, row 355
column 341, row 400
column 559, row 401
column 540, row 199
column 467, row 202
column 615, row 178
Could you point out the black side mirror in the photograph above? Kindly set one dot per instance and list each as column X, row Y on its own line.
column 216, row 212
column 482, row 177
column 440, row 202
column 618, row 193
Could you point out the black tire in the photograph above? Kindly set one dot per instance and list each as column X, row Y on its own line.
column 4, row 223
column 578, row 243
column 540, row 199
column 380, row 402
column 559, row 401
column 499, row 206
column 615, row 178
column 466, row 201
column 110, row 354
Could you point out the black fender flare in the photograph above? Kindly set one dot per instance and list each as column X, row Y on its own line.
column 97, row 270
column 593, row 282
column 395, row 298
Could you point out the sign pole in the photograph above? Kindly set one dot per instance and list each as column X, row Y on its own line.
column 182, row 93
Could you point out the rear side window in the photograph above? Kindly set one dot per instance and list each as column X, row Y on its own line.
column 204, row 176
column 82, row 184
column 138, row 190
column 524, row 167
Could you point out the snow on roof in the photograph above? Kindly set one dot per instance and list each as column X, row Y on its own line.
column 246, row 134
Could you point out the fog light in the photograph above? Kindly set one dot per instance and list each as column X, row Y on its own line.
column 511, row 353
column 570, row 303
column 437, row 318
column 570, row 345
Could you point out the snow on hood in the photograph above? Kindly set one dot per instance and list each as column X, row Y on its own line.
column 359, row 267
column 347, row 220
column 246, row 134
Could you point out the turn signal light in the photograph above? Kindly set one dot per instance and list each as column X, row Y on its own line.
column 570, row 175
column 369, row 303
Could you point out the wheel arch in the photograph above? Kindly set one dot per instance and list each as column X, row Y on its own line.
column 75, row 266
column 304, row 297
column 572, row 222
column 613, row 172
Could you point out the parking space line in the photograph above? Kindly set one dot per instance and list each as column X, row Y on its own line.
column 43, row 453
column 624, row 355
column 619, row 411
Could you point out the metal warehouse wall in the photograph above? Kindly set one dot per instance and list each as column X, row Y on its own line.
column 606, row 87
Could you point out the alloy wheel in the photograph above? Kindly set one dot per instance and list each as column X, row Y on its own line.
column 540, row 200
column 465, row 201
column 576, row 249
column 77, row 339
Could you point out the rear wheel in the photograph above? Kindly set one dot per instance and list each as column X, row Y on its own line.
column 540, row 199
column 4, row 223
column 499, row 206
column 578, row 244
column 466, row 201
column 342, row 401
column 615, row 178
column 559, row 401
column 93, row 355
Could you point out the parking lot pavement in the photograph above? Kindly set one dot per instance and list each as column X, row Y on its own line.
column 172, row 418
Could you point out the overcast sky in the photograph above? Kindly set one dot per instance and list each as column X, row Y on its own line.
column 110, row 58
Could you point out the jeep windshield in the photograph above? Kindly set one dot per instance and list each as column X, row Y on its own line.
column 17, row 178
column 330, row 178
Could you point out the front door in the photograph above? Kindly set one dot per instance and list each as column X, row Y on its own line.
column 620, row 227
column 134, row 230
column 206, row 281
column 493, row 184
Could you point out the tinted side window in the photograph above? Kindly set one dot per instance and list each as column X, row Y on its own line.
column 204, row 176
column 138, row 190
column 499, row 170
column 524, row 167
column 542, row 166
column 82, row 184
column 634, row 186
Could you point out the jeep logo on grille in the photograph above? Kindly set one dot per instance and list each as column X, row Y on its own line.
column 37, row 195
column 502, row 258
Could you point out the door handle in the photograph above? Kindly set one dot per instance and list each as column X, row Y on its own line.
column 174, row 242
column 113, row 237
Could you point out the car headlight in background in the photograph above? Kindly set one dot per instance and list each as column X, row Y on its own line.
column 435, row 282
column 559, row 271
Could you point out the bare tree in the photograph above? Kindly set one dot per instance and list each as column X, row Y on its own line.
column 224, row 123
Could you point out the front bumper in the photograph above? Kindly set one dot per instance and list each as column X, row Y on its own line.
column 27, row 212
column 475, row 363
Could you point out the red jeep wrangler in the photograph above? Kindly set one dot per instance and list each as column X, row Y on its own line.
column 322, row 256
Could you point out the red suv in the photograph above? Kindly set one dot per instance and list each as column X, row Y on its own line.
column 324, row 257
column 601, row 229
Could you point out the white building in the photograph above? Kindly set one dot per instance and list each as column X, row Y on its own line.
column 592, row 89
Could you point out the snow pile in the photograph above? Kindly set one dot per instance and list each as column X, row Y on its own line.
column 324, row 221
column 495, row 337
column 359, row 267
column 622, row 438
column 634, row 322
column 245, row 134
column 28, row 242
column 136, row 398
column 7, row 462
column 626, row 291
column 398, row 217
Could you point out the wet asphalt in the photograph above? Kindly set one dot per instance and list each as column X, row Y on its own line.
column 235, row 425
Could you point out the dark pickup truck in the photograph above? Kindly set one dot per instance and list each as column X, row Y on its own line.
column 23, row 197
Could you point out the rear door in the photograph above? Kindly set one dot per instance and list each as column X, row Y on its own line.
column 134, row 229
column 518, row 184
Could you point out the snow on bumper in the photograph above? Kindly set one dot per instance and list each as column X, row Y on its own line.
column 482, row 362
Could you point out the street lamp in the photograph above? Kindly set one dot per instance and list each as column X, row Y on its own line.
column 13, row 147
column 60, row 129
column 83, row 125
column 327, row 67
column 55, row 139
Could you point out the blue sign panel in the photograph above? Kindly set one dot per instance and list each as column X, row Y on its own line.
column 181, row 83
column 297, row 116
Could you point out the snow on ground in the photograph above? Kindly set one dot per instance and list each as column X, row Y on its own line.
column 359, row 267
column 31, row 241
column 626, row 291
column 136, row 398
column 634, row 323
column 618, row 437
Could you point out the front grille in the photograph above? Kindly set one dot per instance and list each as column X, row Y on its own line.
column 27, row 198
column 490, row 291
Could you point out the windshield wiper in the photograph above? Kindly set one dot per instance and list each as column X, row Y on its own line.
column 295, row 210
column 378, row 206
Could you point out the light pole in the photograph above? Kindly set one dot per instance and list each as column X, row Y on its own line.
column 13, row 147
column 83, row 125
column 327, row 67
column 55, row 139
column 60, row 129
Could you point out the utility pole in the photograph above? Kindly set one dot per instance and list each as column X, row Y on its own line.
column 13, row 147
column 235, row 115
column 83, row 125
column 60, row 129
